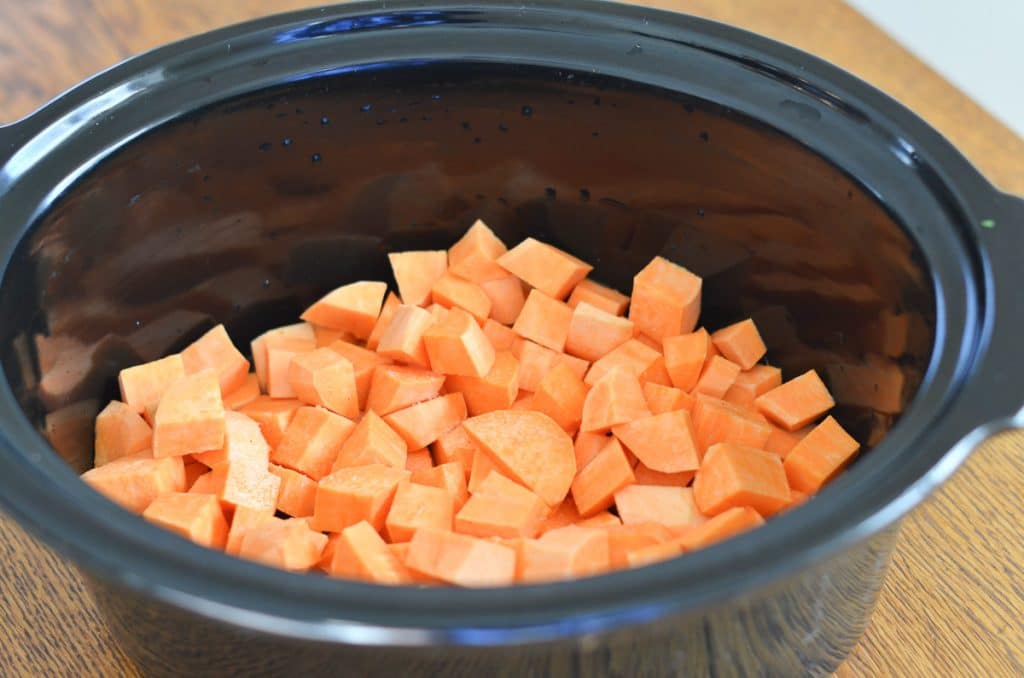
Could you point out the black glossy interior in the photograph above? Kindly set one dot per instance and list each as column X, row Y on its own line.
column 246, row 212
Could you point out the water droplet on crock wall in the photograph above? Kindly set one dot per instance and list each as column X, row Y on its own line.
column 138, row 323
column 644, row 20
column 527, row 111
column 324, row 121
column 502, row 127
column 477, row 140
column 551, row 193
column 700, row 212
column 465, row 124
column 584, row 194
column 266, row 283
column 316, row 158
column 435, row 97
column 595, row 134
column 134, row 199
column 635, row 49
column 704, row 136
column 381, row 122
column 366, row 108
column 287, row 142
column 266, row 146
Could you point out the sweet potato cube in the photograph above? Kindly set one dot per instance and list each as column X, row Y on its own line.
column 507, row 298
column 387, row 312
column 423, row 423
column 216, row 351
column 594, row 488
column 598, row 296
column 666, row 299
column 473, row 256
column 547, row 268
column 565, row 553
column 356, row 493
column 797, row 402
column 395, row 387
column 372, row 441
column 593, row 333
column 120, row 432
column 415, row 506
column 672, row 507
column 496, row 390
column 460, row 559
column 197, row 517
column 143, row 386
column 751, row 383
column 456, row 345
column 734, row 475
column 403, row 338
column 312, row 441
column 501, row 508
column 616, row 399
column 360, row 553
column 561, row 395
column 286, row 544
column 663, row 442
column 633, row 356
column 326, row 378
column 247, row 392
column 190, row 417
column 135, row 481
column 273, row 415
column 717, row 377
column 452, row 291
column 544, row 320
column 741, row 343
column 353, row 308
column 821, row 454
column 685, row 355
column 416, row 272
column 297, row 492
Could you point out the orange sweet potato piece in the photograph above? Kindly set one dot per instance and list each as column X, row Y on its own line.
column 663, row 442
column 561, row 395
column 244, row 394
column 423, row 423
column 565, row 553
column 819, row 456
column 460, row 559
column 726, row 524
column 502, row 338
column 547, row 268
column 364, row 362
column 741, row 343
column 751, row 383
column 297, row 334
column 193, row 471
column 395, row 387
column 311, row 442
column 417, row 462
column 587, row 446
column 457, row 346
column 360, row 553
column 326, row 336
column 243, row 440
column 287, row 544
column 598, row 296
column 450, row 477
column 387, row 312
column 717, row 376
column 205, row 484
column 672, row 507
column 616, row 399
column 507, row 298
column 496, row 390
column 353, row 308
column 474, row 256
column 501, row 508
column 595, row 485
column 528, row 447
column 243, row 483
column 356, row 493
column 280, row 354
column 416, row 272
column 451, row 291
column 135, row 481
column 273, row 415
column 197, row 517
column 601, row 519
column 242, row 519
column 733, row 475
column 624, row 539
column 544, row 321
column 403, row 338
column 797, row 402
column 415, row 506
column 594, row 333
column 120, row 432
column 483, row 465
column 296, row 494
column 535, row 361
column 661, row 399
column 455, row 446
column 685, row 355
column 634, row 357
column 666, row 299
column 655, row 553
column 215, row 350
column 372, row 441
column 143, row 386
column 781, row 441
column 645, row 476
column 717, row 421
column 325, row 378
column 190, row 417
column 560, row 516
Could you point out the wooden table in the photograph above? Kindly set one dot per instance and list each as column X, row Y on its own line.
column 953, row 601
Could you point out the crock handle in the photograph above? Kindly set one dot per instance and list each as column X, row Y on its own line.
column 1001, row 369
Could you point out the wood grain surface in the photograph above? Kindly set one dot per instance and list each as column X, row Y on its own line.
column 954, row 598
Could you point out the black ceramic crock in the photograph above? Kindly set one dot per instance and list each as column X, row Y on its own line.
column 235, row 176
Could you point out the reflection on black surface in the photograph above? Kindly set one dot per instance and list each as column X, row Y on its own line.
column 214, row 219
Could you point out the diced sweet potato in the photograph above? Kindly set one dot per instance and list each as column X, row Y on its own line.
column 353, row 308
column 190, row 417
column 598, row 296
column 120, row 432
column 215, row 350
column 312, row 441
column 549, row 269
column 666, row 299
column 197, row 517
column 416, row 272
column 356, row 493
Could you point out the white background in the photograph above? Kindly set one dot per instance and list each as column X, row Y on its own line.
column 978, row 45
